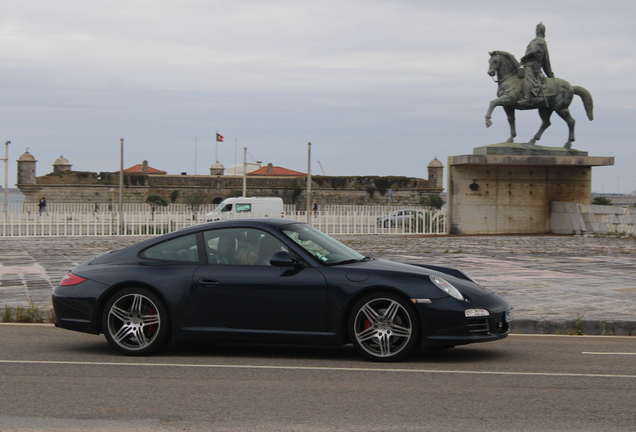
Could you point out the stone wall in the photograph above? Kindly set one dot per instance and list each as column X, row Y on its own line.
column 86, row 187
column 573, row 218
column 512, row 194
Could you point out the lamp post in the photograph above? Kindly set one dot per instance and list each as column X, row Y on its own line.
column 6, row 173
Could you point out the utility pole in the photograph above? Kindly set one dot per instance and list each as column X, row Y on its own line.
column 308, row 182
column 121, row 181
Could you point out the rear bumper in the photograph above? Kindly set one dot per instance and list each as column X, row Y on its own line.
column 75, row 314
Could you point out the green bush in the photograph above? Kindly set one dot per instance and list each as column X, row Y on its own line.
column 601, row 200
column 433, row 201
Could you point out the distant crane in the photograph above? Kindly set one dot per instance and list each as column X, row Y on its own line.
column 321, row 168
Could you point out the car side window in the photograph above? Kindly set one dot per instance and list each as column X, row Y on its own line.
column 178, row 249
column 240, row 246
column 240, row 208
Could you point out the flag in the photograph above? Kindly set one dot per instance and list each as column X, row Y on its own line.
column 219, row 138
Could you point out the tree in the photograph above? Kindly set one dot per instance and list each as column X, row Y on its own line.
column 434, row 201
column 155, row 200
column 601, row 200
column 195, row 200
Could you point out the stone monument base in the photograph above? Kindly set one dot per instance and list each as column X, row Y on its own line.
column 497, row 190
column 526, row 149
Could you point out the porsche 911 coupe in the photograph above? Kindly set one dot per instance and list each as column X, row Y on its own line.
column 273, row 280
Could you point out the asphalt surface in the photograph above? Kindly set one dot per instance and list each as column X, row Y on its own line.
column 56, row 380
column 557, row 284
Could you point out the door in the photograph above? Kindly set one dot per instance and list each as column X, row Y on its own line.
column 243, row 291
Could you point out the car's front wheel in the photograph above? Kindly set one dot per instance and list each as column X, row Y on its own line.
column 384, row 327
column 135, row 322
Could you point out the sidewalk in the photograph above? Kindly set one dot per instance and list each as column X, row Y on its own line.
column 551, row 280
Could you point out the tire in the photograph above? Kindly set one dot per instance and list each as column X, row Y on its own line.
column 135, row 322
column 383, row 327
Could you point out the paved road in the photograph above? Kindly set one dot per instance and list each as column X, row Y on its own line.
column 551, row 280
column 56, row 380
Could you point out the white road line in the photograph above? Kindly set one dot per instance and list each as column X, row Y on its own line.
column 608, row 353
column 314, row 368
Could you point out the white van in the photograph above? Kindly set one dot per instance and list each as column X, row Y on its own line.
column 231, row 208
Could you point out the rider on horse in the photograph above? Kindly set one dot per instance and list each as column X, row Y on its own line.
column 536, row 58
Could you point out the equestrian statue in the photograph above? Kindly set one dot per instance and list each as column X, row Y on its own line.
column 526, row 87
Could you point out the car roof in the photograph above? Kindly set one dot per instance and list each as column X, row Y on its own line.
column 241, row 222
column 263, row 223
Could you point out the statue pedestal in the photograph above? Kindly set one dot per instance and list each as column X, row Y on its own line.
column 497, row 190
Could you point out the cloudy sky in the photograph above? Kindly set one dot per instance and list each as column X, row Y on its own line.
column 378, row 87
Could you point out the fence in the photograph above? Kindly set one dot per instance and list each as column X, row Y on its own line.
column 369, row 220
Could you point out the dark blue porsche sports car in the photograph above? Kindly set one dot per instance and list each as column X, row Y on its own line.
column 273, row 280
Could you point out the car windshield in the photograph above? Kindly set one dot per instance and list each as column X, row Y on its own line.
column 326, row 249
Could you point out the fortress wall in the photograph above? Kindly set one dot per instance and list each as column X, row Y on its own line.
column 85, row 187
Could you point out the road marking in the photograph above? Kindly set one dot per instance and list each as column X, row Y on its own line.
column 314, row 368
column 608, row 353
column 522, row 335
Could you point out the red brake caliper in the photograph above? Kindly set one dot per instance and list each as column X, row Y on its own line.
column 152, row 328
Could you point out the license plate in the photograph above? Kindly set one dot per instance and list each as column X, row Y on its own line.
column 508, row 316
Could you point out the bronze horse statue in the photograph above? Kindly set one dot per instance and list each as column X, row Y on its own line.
column 556, row 95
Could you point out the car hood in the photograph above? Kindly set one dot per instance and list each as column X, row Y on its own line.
column 369, row 271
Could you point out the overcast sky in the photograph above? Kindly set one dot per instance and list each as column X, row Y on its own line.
column 378, row 87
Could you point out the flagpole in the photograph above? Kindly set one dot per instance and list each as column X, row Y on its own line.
column 195, row 155
column 244, row 171
column 216, row 147
column 234, row 156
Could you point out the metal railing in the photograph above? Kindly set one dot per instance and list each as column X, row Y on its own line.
column 336, row 221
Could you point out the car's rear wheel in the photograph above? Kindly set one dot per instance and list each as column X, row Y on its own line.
column 384, row 327
column 135, row 322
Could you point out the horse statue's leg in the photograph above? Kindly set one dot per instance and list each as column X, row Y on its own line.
column 510, row 113
column 501, row 101
column 493, row 104
column 545, row 114
column 565, row 115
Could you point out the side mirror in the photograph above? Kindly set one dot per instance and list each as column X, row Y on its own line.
column 284, row 259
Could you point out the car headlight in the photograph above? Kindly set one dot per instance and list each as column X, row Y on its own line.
column 472, row 313
column 447, row 288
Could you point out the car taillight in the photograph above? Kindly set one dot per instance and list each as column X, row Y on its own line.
column 71, row 279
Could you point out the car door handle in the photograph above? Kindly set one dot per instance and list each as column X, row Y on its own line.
column 208, row 283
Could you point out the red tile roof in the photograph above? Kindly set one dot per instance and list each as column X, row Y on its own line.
column 277, row 171
column 139, row 169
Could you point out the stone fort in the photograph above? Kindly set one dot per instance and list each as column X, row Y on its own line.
column 63, row 185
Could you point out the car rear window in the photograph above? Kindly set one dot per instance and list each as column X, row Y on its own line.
column 179, row 249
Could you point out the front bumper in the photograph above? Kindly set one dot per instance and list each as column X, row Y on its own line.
column 444, row 322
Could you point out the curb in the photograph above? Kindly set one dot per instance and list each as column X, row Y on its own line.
column 572, row 327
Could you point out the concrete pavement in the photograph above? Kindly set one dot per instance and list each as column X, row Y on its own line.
column 555, row 283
